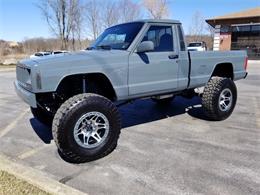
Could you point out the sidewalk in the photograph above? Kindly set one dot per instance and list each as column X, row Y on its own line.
column 7, row 69
column 37, row 178
column 254, row 61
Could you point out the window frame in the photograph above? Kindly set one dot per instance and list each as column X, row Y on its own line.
column 179, row 27
column 174, row 49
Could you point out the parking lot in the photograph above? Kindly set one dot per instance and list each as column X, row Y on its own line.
column 161, row 150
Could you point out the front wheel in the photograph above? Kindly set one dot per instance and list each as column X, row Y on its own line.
column 86, row 127
column 219, row 98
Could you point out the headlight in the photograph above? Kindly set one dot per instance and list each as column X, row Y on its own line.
column 28, row 83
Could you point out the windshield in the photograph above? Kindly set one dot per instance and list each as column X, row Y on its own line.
column 118, row 37
column 195, row 44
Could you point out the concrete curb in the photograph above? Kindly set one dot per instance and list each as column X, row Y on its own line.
column 253, row 61
column 36, row 177
column 7, row 69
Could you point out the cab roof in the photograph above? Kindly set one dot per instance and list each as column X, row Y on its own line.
column 162, row 21
column 159, row 21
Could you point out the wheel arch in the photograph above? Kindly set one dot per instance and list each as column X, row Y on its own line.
column 95, row 77
column 224, row 69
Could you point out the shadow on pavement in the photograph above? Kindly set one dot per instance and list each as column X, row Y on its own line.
column 43, row 131
column 139, row 112
column 144, row 111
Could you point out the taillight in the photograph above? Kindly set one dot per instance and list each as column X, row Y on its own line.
column 245, row 64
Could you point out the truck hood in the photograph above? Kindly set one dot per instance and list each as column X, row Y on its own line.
column 76, row 58
column 50, row 70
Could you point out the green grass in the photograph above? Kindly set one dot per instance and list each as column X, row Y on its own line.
column 10, row 185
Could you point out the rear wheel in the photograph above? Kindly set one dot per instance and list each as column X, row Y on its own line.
column 86, row 127
column 219, row 98
column 42, row 115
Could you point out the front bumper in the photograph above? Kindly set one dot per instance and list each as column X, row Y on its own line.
column 26, row 96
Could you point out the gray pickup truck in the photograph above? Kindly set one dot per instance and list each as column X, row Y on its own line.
column 79, row 93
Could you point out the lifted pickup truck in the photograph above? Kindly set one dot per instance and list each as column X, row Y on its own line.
column 79, row 93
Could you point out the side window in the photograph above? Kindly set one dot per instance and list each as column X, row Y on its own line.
column 161, row 36
column 182, row 41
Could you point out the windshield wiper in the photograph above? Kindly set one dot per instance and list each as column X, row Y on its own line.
column 106, row 47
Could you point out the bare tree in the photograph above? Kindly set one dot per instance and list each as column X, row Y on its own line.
column 157, row 9
column 75, row 11
column 30, row 46
column 130, row 10
column 211, row 32
column 200, row 31
column 39, row 44
column 3, row 48
column 111, row 13
column 61, row 17
column 197, row 26
column 93, row 17
column 121, row 11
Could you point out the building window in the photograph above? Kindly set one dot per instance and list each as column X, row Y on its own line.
column 256, row 28
column 247, row 38
column 241, row 29
column 225, row 29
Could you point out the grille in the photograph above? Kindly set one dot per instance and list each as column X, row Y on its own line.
column 22, row 74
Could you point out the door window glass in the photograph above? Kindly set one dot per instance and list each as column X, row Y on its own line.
column 161, row 36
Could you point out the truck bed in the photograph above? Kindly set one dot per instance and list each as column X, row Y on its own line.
column 202, row 65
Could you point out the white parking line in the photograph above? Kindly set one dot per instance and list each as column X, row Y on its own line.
column 31, row 152
column 257, row 113
column 9, row 127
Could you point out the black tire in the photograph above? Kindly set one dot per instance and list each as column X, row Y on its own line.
column 67, row 117
column 211, row 98
column 165, row 101
column 42, row 115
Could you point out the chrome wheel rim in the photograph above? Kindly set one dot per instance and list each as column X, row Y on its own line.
column 225, row 100
column 91, row 130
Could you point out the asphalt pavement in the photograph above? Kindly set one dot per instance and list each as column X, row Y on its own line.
column 161, row 150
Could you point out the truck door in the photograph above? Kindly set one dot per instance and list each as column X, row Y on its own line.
column 157, row 70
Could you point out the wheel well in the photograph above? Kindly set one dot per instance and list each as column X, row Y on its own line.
column 224, row 70
column 74, row 84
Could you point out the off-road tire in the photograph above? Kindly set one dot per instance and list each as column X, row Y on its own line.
column 211, row 94
column 66, row 118
column 42, row 115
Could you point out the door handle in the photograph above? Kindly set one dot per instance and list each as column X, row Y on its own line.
column 173, row 56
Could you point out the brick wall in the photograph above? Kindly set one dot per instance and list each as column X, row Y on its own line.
column 225, row 42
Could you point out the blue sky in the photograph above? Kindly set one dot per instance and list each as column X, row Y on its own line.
column 20, row 19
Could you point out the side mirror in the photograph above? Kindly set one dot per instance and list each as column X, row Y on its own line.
column 145, row 46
